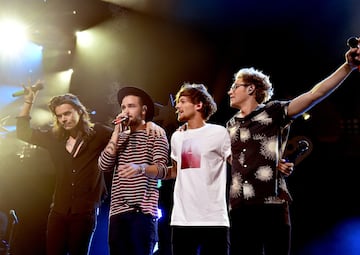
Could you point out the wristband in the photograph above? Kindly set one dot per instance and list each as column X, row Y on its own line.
column 142, row 169
column 28, row 102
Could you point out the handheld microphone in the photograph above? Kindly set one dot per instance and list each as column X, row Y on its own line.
column 302, row 147
column 36, row 87
column 353, row 42
column 13, row 215
column 122, row 120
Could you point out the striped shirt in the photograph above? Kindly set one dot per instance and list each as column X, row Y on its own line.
column 138, row 191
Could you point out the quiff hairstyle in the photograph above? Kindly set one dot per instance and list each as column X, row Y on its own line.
column 198, row 93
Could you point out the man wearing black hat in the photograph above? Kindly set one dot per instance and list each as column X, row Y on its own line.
column 138, row 160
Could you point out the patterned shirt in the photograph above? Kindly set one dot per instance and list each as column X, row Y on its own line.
column 138, row 191
column 257, row 141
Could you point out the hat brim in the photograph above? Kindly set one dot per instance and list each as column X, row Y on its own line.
column 146, row 99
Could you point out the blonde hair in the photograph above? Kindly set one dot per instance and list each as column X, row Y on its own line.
column 263, row 87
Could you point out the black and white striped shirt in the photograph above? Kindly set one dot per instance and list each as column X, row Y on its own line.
column 139, row 191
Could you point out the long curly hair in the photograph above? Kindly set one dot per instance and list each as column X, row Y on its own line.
column 85, row 126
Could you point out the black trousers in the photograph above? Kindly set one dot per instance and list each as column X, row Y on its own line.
column 202, row 240
column 70, row 234
column 260, row 229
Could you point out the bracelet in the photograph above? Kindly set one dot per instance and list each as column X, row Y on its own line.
column 28, row 102
column 142, row 169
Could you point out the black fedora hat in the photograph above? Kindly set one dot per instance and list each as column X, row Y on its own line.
column 146, row 99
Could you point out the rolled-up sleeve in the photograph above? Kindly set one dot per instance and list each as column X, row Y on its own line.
column 161, row 156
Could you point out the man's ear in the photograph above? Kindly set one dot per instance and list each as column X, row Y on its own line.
column 144, row 109
column 199, row 105
column 251, row 90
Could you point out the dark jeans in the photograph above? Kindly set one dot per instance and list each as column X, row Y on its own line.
column 70, row 234
column 132, row 233
column 200, row 240
column 260, row 229
column 164, row 230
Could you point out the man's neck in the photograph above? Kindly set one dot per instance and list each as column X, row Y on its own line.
column 139, row 126
column 195, row 123
column 247, row 109
column 74, row 133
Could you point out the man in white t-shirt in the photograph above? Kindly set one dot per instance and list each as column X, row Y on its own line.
column 199, row 153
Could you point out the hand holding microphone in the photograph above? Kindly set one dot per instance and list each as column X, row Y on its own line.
column 121, row 120
column 354, row 43
column 29, row 93
column 34, row 88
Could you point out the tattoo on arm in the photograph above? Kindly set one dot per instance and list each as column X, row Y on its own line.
column 111, row 147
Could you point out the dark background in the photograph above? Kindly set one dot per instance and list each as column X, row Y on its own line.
column 158, row 45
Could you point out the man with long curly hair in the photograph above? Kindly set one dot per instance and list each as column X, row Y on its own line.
column 74, row 144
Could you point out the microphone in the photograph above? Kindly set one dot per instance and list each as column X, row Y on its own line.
column 122, row 120
column 13, row 215
column 353, row 42
column 302, row 147
column 36, row 87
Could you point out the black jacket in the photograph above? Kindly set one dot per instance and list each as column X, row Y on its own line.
column 79, row 183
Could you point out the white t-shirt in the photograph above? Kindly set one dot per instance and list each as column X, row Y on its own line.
column 200, row 186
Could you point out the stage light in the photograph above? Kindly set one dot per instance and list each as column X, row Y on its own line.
column 61, row 82
column 84, row 39
column 13, row 37
column 65, row 76
column 159, row 213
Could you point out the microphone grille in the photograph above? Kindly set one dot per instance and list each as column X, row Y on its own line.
column 38, row 86
column 353, row 42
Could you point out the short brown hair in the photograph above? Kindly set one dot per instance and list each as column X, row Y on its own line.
column 198, row 93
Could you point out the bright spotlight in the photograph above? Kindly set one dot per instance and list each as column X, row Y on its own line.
column 13, row 37
column 84, row 38
column 65, row 76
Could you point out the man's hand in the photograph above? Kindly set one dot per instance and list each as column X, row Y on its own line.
column 154, row 129
column 128, row 170
column 285, row 167
column 353, row 57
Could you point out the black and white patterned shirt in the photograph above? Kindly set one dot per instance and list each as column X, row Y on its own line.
column 256, row 142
